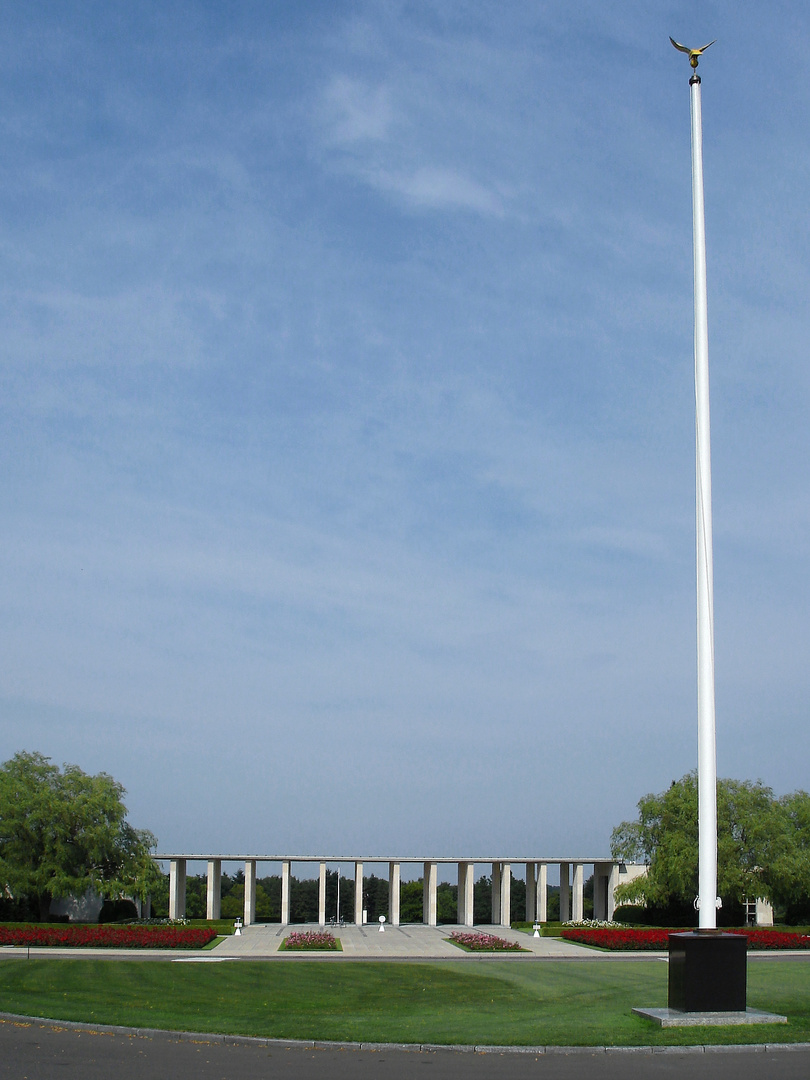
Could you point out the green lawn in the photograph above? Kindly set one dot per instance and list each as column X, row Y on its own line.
column 494, row 1002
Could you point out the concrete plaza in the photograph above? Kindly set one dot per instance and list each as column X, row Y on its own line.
column 411, row 941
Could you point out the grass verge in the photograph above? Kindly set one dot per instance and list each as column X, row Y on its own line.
column 497, row 1003
column 546, row 929
column 223, row 927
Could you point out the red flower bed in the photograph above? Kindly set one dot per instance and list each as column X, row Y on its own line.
column 658, row 940
column 484, row 942
column 109, row 936
column 310, row 939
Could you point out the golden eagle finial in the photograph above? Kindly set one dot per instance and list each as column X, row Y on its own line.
column 693, row 54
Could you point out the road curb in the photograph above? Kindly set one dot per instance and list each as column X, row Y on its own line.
column 424, row 1048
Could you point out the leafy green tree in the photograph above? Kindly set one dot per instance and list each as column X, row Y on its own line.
column 160, row 897
column 62, row 833
column 196, row 896
column 762, row 844
column 410, row 901
column 518, row 899
column 375, row 897
column 346, row 907
column 446, row 902
column 587, row 898
column 233, row 905
column 303, row 900
column 346, row 896
column 789, row 870
column 271, row 887
column 482, row 900
column 553, row 911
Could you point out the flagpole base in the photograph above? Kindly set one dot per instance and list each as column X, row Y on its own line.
column 707, row 972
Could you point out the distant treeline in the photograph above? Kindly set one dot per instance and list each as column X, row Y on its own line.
column 304, row 899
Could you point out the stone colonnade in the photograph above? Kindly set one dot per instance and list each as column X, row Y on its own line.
column 572, row 877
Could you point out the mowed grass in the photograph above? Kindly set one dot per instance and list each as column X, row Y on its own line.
column 494, row 1002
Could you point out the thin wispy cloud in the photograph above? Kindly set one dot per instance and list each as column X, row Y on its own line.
column 436, row 188
column 366, row 139
column 356, row 112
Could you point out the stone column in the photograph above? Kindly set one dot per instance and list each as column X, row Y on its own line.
column 542, row 893
column 602, row 877
column 358, row 893
column 579, row 900
column 531, row 892
column 599, row 891
column 612, row 884
column 322, row 894
column 429, row 883
column 250, row 892
column 465, row 906
column 393, row 893
column 506, row 895
column 565, row 894
column 496, row 894
column 177, row 889
column 213, row 892
column 285, row 892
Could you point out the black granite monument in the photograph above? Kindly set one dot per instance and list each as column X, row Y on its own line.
column 707, row 972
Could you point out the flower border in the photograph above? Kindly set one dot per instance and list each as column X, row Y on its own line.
column 478, row 942
column 108, row 936
column 657, row 940
column 310, row 941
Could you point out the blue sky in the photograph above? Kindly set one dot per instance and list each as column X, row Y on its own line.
column 347, row 456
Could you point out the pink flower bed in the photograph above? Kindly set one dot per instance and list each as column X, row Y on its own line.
column 658, row 940
column 310, row 939
column 109, row 936
column 484, row 942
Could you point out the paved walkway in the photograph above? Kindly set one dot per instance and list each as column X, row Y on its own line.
column 410, row 942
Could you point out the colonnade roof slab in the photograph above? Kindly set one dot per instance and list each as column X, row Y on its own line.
column 198, row 857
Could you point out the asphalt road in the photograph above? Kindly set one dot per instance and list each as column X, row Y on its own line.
column 39, row 1051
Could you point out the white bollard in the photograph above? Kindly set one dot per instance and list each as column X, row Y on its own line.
column 382, row 924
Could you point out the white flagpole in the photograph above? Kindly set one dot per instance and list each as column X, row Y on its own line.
column 707, row 754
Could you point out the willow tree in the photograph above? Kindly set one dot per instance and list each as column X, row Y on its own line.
column 763, row 844
column 63, row 832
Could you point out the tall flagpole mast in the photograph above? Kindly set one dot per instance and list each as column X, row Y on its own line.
column 706, row 902
column 707, row 969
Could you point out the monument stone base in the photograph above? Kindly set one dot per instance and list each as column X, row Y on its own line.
column 675, row 1018
column 707, row 972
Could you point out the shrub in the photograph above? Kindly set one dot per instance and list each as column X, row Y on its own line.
column 117, row 911
column 679, row 915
